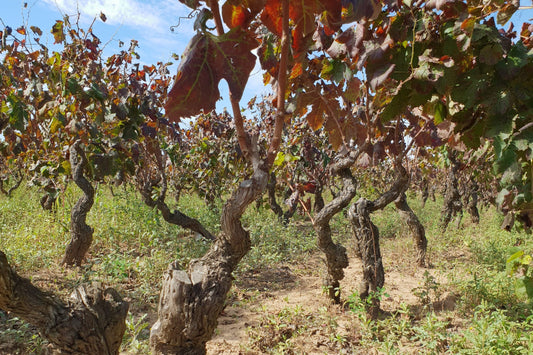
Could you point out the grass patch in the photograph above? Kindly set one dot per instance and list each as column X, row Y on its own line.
column 133, row 246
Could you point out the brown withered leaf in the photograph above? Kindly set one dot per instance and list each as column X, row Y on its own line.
column 193, row 4
column 354, row 130
column 207, row 60
column 36, row 30
column 333, row 18
column 380, row 75
column 302, row 14
column 316, row 115
column 349, row 42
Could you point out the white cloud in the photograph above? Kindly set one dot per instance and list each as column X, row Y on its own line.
column 147, row 21
column 150, row 15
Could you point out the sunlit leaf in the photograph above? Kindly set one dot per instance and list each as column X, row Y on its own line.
column 57, row 31
column 280, row 159
column 440, row 112
column 271, row 16
column 55, row 125
column 234, row 15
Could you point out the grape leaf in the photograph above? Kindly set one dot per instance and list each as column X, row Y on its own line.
column 234, row 14
column 57, row 31
column 36, row 30
column 206, row 61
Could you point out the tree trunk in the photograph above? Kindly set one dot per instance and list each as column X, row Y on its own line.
column 191, row 300
column 91, row 322
column 367, row 243
column 319, row 200
column 416, row 228
column 425, row 192
column 452, row 198
column 81, row 233
column 472, row 200
column 336, row 257
column 185, row 221
column 271, row 191
column 508, row 221
column 151, row 174
column 292, row 206
column 367, row 240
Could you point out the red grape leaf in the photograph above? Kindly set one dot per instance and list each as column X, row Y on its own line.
column 271, row 17
column 207, row 60
column 255, row 6
column 234, row 14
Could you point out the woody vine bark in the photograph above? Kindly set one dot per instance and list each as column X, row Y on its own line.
column 336, row 257
column 453, row 206
column 192, row 299
column 366, row 236
column 81, row 232
column 416, row 229
column 291, row 201
column 92, row 321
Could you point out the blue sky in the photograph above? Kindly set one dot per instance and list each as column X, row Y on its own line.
column 147, row 21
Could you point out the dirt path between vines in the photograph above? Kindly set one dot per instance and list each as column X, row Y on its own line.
column 259, row 297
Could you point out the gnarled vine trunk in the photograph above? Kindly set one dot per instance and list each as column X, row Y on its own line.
column 367, row 240
column 336, row 257
column 271, row 192
column 367, row 244
column 81, row 233
column 319, row 199
column 191, row 300
column 152, row 173
column 91, row 322
column 452, row 198
column 425, row 192
column 472, row 200
column 47, row 202
column 416, row 228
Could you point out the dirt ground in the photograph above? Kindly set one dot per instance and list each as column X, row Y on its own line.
column 254, row 319
column 267, row 292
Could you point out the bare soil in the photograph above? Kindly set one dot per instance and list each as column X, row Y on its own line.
column 267, row 306
column 262, row 294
